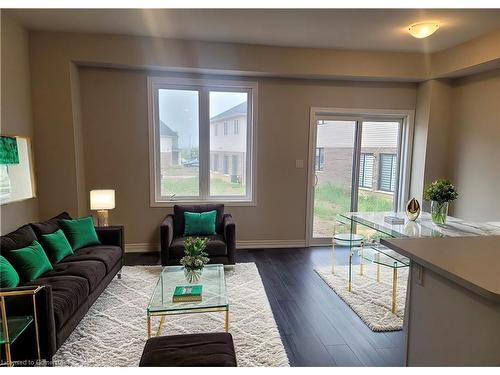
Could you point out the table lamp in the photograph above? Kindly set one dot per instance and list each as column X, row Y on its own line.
column 102, row 201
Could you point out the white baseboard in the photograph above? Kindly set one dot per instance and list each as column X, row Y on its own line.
column 259, row 244
column 141, row 247
column 270, row 244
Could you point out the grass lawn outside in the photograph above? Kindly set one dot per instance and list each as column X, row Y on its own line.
column 185, row 182
column 331, row 200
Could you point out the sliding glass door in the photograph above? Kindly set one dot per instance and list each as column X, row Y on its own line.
column 356, row 167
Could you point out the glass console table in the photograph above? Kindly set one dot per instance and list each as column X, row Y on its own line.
column 365, row 229
column 13, row 327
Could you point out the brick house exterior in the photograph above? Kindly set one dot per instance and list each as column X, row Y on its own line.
column 334, row 155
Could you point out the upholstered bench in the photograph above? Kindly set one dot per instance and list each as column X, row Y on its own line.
column 203, row 349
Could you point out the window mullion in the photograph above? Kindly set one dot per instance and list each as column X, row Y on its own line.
column 204, row 151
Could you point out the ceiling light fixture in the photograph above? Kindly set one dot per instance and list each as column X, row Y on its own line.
column 423, row 29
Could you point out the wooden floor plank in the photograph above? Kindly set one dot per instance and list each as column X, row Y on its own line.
column 343, row 355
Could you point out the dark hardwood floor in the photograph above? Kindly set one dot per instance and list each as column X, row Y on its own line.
column 316, row 326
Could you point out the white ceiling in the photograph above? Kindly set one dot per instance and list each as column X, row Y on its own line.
column 362, row 29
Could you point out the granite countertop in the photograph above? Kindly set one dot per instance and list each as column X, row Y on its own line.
column 472, row 262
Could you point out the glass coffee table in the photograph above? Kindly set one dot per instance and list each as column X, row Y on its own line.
column 214, row 297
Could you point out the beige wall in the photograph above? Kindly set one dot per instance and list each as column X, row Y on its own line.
column 71, row 148
column 431, row 135
column 475, row 146
column 115, row 133
column 16, row 118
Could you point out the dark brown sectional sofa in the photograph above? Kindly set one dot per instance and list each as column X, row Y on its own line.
column 70, row 288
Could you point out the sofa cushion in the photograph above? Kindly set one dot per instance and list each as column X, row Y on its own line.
column 109, row 255
column 199, row 223
column 215, row 247
column 202, row 349
column 18, row 239
column 56, row 245
column 8, row 274
column 30, row 262
column 49, row 226
column 91, row 270
column 68, row 294
column 80, row 232
column 179, row 216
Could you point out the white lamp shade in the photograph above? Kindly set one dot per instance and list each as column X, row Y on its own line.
column 102, row 199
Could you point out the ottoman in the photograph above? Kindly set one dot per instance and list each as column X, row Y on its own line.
column 203, row 349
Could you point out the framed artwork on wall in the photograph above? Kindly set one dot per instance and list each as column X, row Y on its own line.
column 16, row 169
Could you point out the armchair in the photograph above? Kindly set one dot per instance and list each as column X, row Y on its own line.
column 221, row 246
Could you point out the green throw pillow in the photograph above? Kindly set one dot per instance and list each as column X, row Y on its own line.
column 56, row 246
column 202, row 223
column 30, row 261
column 8, row 275
column 80, row 232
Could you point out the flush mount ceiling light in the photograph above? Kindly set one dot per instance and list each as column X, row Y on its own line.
column 423, row 29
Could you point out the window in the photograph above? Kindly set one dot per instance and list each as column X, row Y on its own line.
column 320, row 159
column 189, row 161
column 16, row 172
column 387, row 172
column 366, row 162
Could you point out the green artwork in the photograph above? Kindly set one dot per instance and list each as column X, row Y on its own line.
column 8, row 150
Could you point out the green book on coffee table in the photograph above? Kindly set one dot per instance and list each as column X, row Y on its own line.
column 187, row 293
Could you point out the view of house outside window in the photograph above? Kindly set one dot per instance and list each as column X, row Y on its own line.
column 190, row 168
column 229, row 178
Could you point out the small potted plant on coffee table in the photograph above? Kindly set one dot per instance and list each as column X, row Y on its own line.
column 195, row 258
column 440, row 193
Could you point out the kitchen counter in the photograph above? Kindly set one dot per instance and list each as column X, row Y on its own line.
column 472, row 262
column 452, row 314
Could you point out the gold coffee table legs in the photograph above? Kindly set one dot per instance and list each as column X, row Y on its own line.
column 227, row 321
column 160, row 326
column 162, row 321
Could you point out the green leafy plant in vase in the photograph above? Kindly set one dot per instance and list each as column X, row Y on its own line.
column 441, row 192
column 195, row 258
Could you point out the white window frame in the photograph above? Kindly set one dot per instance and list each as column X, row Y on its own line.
column 203, row 86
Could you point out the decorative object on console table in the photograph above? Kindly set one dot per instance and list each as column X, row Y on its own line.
column 195, row 258
column 412, row 209
column 440, row 193
column 102, row 201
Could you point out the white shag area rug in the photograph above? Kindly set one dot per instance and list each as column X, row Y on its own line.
column 113, row 332
column 369, row 299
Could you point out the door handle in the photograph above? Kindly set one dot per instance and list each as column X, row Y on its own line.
column 315, row 179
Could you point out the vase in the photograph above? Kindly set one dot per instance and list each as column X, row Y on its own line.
column 192, row 275
column 439, row 211
column 412, row 209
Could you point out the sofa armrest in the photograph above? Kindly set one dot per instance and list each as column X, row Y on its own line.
column 230, row 236
column 17, row 303
column 112, row 236
column 166, row 237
